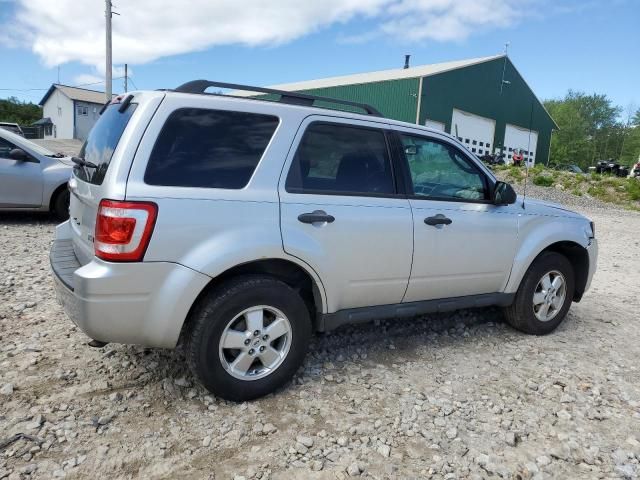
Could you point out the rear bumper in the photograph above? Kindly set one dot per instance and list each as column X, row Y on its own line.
column 138, row 303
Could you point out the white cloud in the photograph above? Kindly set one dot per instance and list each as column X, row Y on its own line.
column 70, row 30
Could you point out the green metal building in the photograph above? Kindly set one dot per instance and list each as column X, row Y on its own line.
column 484, row 102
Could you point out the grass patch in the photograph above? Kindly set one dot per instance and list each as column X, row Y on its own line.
column 604, row 187
column 543, row 181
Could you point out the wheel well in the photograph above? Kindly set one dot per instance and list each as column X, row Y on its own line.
column 579, row 259
column 288, row 272
column 55, row 194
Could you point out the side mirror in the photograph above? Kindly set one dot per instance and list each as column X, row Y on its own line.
column 504, row 194
column 19, row 155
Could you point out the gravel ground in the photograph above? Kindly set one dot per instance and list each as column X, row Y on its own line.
column 446, row 396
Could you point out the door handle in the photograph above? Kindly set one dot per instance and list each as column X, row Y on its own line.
column 439, row 219
column 317, row 216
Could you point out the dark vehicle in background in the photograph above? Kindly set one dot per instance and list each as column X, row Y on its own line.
column 573, row 169
column 612, row 167
column 12, row 127
column 493, row 159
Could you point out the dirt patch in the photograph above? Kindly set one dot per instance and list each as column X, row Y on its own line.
column 443, row 396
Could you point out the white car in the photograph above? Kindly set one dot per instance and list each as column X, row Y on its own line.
column 242, row 225
column 32, row 178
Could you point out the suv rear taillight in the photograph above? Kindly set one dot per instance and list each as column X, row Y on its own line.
column 123, row 230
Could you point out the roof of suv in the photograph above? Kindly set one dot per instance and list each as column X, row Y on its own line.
column 372, row 116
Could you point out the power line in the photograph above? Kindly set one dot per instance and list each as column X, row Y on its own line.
column 133, row 83
column 44, row 89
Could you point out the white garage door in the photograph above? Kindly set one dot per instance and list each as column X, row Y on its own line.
column 518, row 138
column 434, row 124
column 474, row 131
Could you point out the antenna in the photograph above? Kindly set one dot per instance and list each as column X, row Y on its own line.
column 504, row 82
column 526, row 163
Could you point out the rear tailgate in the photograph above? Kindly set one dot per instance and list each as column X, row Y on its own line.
column 111, row 146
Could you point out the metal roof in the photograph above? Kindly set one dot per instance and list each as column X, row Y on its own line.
column 379, row 76
column 75, row 93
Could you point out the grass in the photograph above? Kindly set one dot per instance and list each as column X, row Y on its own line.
column 607, row 188
column 543, row 181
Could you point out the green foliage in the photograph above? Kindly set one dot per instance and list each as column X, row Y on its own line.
column 14, row 111
column 543, row 181
column 591, row 130
column 632, row 188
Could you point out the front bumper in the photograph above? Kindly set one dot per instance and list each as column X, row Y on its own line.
column 140, row 303
column 592, row 250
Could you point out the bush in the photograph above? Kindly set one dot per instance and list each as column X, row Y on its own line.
column 632, row 188
column 543, row 181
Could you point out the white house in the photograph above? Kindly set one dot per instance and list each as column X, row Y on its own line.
column 69, row 112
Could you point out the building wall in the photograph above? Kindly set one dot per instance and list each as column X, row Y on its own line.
column 84, row 123
column 394, row 98
column 59, row 108
column 476, row 89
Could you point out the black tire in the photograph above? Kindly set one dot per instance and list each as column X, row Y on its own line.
column 60, row 204
column 520, row 315
column 220, row 306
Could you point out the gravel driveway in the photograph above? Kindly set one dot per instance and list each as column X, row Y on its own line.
column 444, row 396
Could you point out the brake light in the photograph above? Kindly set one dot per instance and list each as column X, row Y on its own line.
column 123, row 230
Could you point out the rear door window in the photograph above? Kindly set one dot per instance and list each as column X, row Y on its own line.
column 102, row 142
column 209, row 148
column 341, row 159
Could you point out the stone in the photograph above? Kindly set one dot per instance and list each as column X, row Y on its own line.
column 384, row 450
column 269, row 428
column 543, row 460
column 306, row 441
column 206, row 441
column 182, row 382
column 354, row 470
column 510, row 439
column 105, row 419
column 452, row 433
column 7, row 389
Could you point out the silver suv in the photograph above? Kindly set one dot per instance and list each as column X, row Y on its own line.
column 242, row 225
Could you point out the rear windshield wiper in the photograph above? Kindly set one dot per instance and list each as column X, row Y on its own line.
column 83, row 163
column 56, row 155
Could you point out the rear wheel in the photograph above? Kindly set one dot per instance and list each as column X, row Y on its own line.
column 60, row 204
column 544, row 296
column 248, row 337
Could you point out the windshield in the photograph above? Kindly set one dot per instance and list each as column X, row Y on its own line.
column 102, row 142
column 22, row 142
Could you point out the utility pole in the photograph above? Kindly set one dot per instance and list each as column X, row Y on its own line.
column 126, row 77
column 108, row 71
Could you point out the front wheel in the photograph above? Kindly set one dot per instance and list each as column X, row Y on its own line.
column 544, row 296
column 248, row 337
column 60, row 205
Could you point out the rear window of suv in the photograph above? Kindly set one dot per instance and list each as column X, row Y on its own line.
column 102, row 142
column 209, row 148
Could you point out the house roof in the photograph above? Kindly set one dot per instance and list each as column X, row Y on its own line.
column 379, row 76
column 43, row 121
column 75, row 93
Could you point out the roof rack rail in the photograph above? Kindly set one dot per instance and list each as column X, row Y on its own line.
column 293, row 98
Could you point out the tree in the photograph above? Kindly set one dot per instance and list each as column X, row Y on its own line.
column 14, row 111
column 590, row 129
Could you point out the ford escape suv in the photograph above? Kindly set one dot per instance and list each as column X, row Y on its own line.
column 241, row 225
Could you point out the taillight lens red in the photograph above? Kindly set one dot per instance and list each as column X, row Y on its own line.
column 123, row 230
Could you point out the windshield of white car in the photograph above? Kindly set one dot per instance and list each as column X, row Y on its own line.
column 21, row 142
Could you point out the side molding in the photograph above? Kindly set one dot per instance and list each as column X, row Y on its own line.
column 403, row 310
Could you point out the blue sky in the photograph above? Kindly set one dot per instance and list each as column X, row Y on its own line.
column 582, row 45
